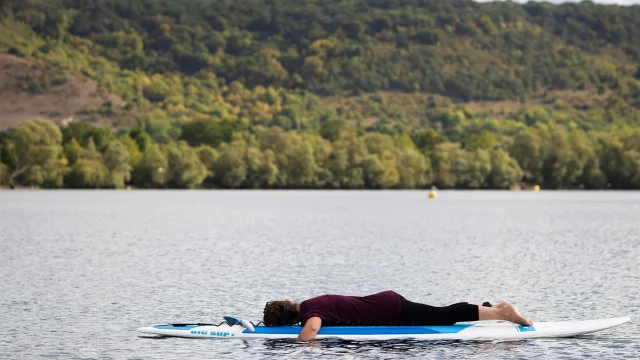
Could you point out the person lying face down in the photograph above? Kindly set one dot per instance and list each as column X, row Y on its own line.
column 386, row 308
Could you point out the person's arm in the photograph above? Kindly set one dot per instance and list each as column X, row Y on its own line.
column 310, row 329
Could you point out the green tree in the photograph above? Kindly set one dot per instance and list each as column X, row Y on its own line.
column 621, row 166
column 101, row 136
column 631, row 139
column 322, row 148
column 404, row 141
column 377, row 143
column 40, row 159
column 345, row 162
column 413, row 168
column 612, row 158
column 505, row 171
column 442, row 158
column 133, row 151
column 231, row 169
column 142, row 139
column 159, row 127
column 301, row 165
column 568, row 154
column 268, row 173
column 208, row 156
column 4, row 173
column 632, row 168
column 262, row 170
column 185, row 168
column 72, row 151
column 157, row 90
column 456, row 167
column 8, row 154
column 381, row 171
column 427, row 140
column 209, row 131
column 332, row 126
column 76, row 130
column 89, row 171
column 82, row 132
column 116, row 158
column 527, row 149
column 152, row 172
column 593, row 177
column 483, row 140
column 390, row 175
column 472, row 169
column 373, row 171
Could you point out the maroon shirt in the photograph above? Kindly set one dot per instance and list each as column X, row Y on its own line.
column 382, row 308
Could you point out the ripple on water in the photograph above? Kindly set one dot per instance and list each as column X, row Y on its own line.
column 81, row 270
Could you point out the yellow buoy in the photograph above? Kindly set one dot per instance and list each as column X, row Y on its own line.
column 536, row 188
column 432, row 194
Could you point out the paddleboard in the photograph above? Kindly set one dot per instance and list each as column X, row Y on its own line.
column 479, row 330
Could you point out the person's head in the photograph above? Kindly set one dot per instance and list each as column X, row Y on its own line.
column 280, row 313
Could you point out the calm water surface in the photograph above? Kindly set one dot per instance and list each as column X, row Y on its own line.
column 81, row 270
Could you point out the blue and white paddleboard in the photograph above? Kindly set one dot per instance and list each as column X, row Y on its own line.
column 480, row 330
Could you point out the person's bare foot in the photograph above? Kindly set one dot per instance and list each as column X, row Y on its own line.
column 511, row 314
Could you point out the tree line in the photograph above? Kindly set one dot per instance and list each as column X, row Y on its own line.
column 39, row 153
column 228, row 94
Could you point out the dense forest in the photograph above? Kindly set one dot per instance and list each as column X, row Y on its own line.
column 328, row 94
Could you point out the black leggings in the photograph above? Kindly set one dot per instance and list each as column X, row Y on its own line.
column 421, row 314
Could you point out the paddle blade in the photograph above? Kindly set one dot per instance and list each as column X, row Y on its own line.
column 231, row 320
column 247, row 325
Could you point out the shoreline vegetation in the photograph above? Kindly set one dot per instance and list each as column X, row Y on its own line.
column 39, row 153
column 358, row 94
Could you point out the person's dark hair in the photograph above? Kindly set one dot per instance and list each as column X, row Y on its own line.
column 280, row 313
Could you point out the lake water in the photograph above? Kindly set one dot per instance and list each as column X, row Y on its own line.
column 80, row 271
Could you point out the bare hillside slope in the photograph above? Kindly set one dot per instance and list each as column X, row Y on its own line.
column 29, row 90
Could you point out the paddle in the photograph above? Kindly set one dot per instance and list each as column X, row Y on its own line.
column 244, row 323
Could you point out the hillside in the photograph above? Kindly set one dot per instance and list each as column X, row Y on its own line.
column 30, row 90
column 427, row 75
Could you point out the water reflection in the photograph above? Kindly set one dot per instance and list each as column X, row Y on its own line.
column 388, row 347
